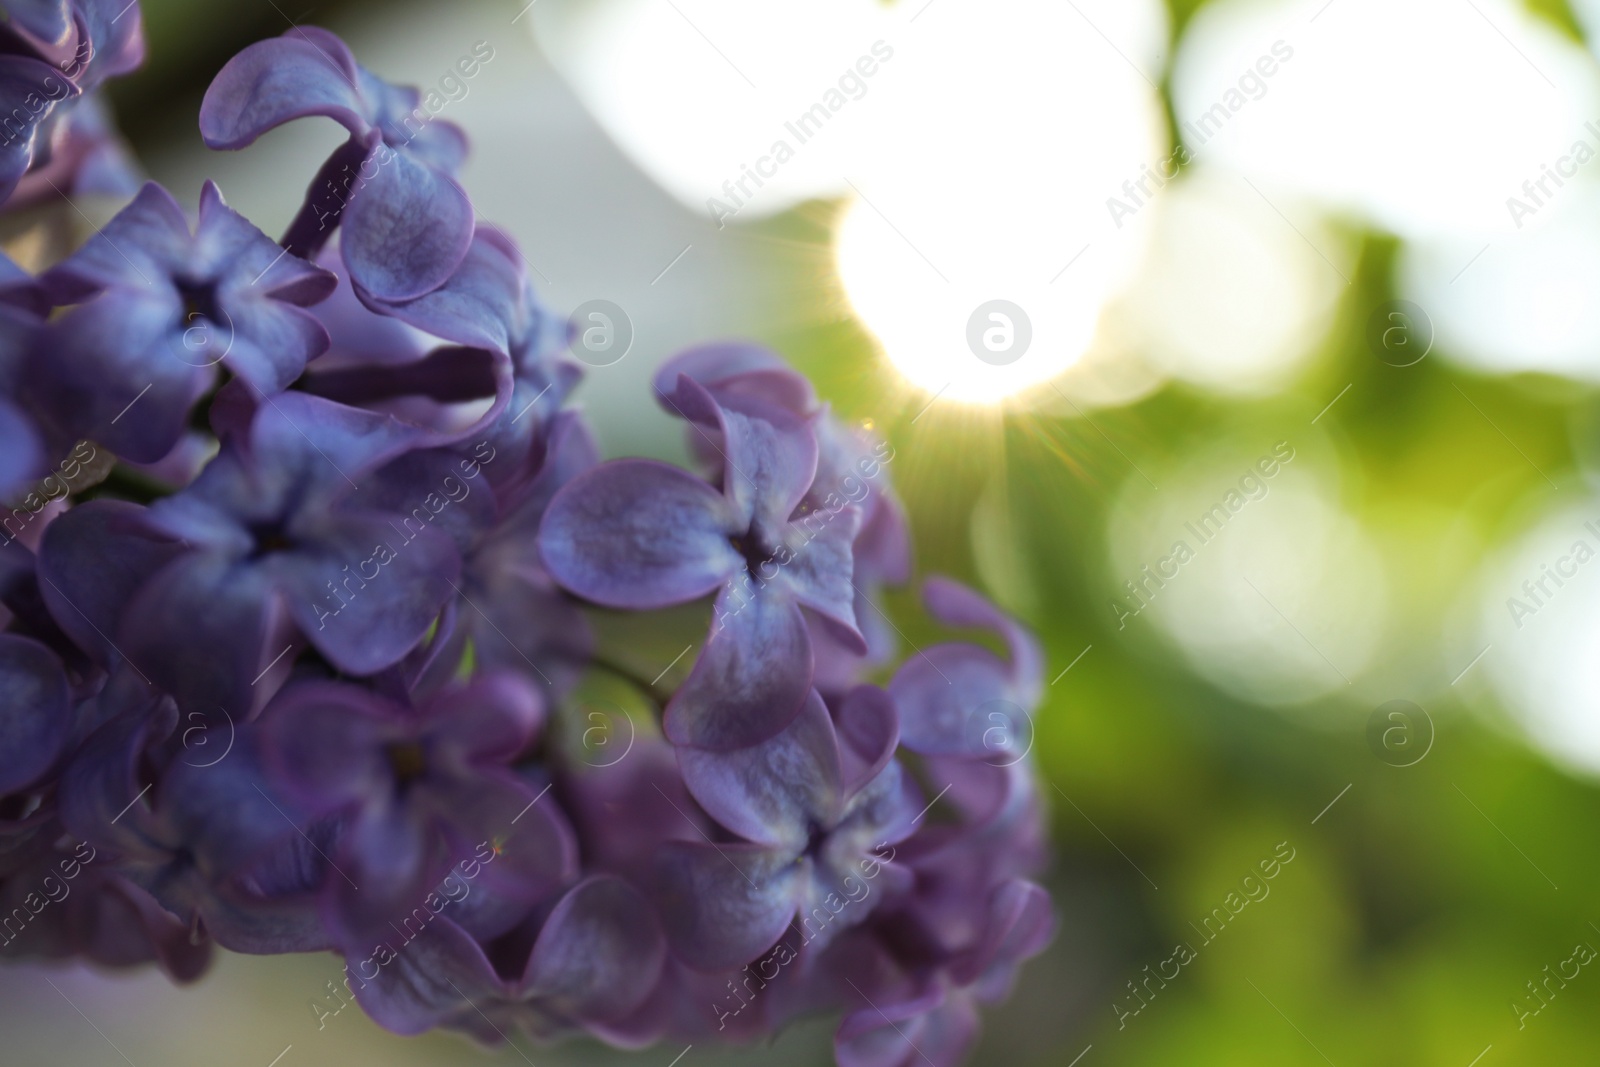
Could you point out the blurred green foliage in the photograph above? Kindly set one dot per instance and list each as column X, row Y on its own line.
column 1410, row 922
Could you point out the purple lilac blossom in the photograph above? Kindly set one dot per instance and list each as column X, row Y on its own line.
column 638, row 534
column 415, row 790
column 158, row 308
column 407, row 224
column 54, row 51
column 304, row 674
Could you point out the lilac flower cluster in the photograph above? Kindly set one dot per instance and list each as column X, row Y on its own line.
column 290, row 653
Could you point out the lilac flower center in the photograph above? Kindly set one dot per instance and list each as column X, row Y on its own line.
column 752, row 546
column 408, row 761
column 269, row 537
column 816, row 839
column 199, row 300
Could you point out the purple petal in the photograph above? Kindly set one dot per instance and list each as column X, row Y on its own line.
column 492, row 719
column 724, row 905
column 304, row 72
column 113, row 371
column 421, row 392
column 23, row 79
column 99, row 794
column 323, row 744
column 390, row 864
column 397, row 110
column 268, row 343
column 477, row 305
column 623, row 806
column 226, row 242
column 1021, row 924
column 600, row 953
column 138, row 248
column 232, row 822
column 638, row 534
column 22, row 454
column 117, row 924
column 533, row 847
column 406, row 487
column 775, row 792
column 48, row 20
column 752, row 677
column 35, row 719
column 884, row 811
column 118, row 41
column 411, row 986
column 199, row 629
column 92, row 561
column 956, row 605
column 839, row 666
column 327, row 197
column 922, row 1032
column 305, row 433
column 883, row 547
column 869, row 731
column 819, row 570
column 737, row 367
column 360, row 335
column 406, row 229
column 388, row 586
column 947, row 696
column 771, row 454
